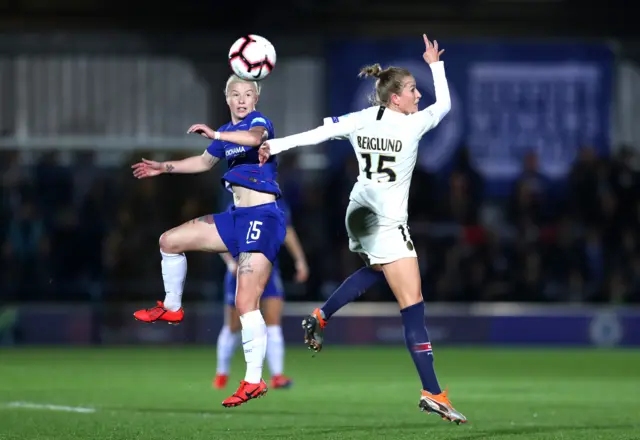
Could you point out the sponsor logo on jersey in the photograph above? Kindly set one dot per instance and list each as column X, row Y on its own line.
column 235, row 151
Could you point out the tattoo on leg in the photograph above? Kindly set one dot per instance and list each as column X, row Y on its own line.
column 169, row 168
column 244, row 263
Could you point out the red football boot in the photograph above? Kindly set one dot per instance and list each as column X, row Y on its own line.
column 280, row 381
column 245, row 392
column 159, row 313
column 220, row 381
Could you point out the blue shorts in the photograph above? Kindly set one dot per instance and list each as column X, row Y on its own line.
column 273, row 289
column 259, row 228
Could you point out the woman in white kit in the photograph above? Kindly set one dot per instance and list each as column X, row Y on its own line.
column 385, row 140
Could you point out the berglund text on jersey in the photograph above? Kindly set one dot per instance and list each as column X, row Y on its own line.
column 379, row 144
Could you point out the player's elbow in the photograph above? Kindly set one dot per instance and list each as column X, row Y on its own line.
column 255, row 139
column 206, row 163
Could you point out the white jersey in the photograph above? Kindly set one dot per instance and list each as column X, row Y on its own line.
column 386, row 145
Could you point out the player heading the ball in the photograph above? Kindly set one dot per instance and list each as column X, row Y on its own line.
column 252, row 230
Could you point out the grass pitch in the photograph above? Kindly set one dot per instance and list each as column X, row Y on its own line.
column 342, row 393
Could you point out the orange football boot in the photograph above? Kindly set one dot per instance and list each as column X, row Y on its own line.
column 245, row 392
column 220, row 381
column 441, row 405
column 280, row 381
column 159, row 313
column 313, row 326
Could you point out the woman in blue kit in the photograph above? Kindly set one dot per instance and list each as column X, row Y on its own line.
column 252, row 231
column 271, row 302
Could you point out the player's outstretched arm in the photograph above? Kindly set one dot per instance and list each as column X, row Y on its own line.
column 254, row 137
column 432, row 115
column 293, row 245
column 311, row 137
column 190, row 165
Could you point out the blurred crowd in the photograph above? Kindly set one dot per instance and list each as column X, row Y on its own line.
column 78, row 228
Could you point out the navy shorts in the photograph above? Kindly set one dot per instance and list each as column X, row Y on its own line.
column 273, row 289
column 259, row 228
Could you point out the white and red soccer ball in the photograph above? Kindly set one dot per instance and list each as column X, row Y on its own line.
column 252, row 57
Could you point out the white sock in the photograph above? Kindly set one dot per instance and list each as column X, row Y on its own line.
column 254, row 343
column 174, row 272
column 227, row 343
column 275, row 350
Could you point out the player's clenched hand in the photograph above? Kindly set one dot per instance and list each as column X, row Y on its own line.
column 146, row 168
column 302, row 272
column 264, row 153
column 431, row 53
column 203, row 130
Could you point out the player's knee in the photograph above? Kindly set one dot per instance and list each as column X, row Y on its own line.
column 245, row 307
column 246, row 304
column 168, row 243
column 409, row 297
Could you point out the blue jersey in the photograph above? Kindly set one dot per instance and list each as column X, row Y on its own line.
column 244, row 166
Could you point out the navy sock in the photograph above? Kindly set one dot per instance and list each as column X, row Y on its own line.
column 417, row 340
column 351, row 289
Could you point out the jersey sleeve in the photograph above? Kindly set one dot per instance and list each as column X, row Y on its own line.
column 430, row 117
column 259, row 121
column 336, row 120
column 216, row 149
column 338, row 128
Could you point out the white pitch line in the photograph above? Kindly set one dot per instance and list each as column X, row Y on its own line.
column 89, row 410
column 48, row 407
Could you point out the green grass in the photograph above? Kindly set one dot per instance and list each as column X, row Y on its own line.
column 342, row 393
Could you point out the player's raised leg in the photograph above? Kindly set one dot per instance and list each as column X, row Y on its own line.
column 228, row 341
column 272, row 309
column 254, row 270
column 200, row 234
column 403, row 276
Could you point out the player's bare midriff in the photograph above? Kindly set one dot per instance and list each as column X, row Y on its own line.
column 245, row 197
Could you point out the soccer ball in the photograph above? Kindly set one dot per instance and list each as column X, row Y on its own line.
column 252, row 57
